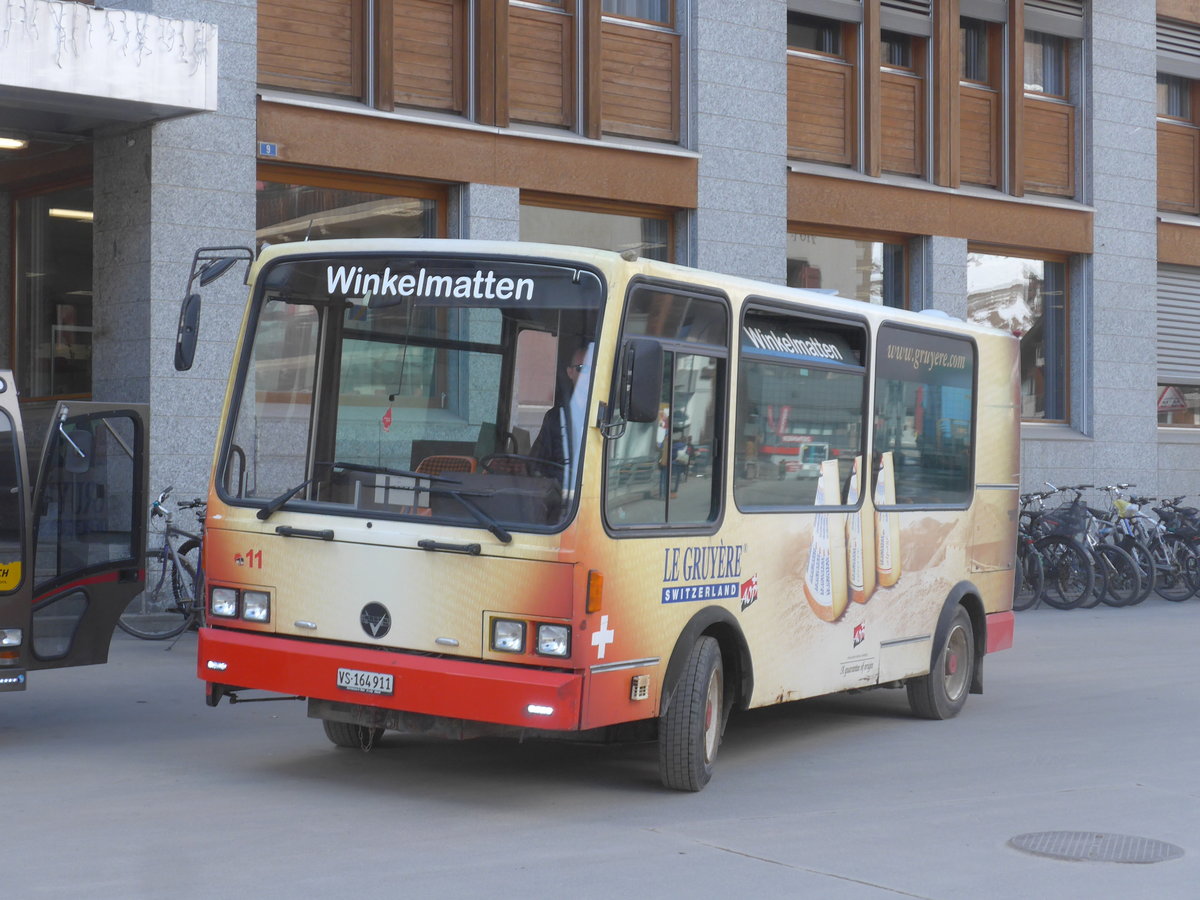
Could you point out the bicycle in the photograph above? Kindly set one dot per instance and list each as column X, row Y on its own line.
column 1030, row 576
column 1118, row 529
column 1069, row 572
column 171, row 601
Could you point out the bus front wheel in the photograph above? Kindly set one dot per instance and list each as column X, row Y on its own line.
column 356, row 737
column 690, row 730
column 942, row 693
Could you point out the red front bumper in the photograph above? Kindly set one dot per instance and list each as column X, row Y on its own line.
column 458, row 689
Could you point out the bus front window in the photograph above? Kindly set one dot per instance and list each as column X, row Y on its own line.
column 415, row 387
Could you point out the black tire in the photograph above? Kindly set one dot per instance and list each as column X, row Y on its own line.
column 1145, row 562
column 156, row 613
column 1173, row 557
column 1069, row 574
column 1029, row 578
column 355, row 737
column 1123, row 578
column 1099, row 583
column 689, row 732
column 942, row 693
column 193, row 597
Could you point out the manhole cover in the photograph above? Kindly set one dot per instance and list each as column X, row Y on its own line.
column 1093, row 847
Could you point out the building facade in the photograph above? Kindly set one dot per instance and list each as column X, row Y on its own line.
column 1032, row 164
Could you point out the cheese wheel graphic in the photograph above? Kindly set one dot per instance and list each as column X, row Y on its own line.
column 887, row 524
column 860, row 543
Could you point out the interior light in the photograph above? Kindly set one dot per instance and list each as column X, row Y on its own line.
column 7, row 143
column 79, row 215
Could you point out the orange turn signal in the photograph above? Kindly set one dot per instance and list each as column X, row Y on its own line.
column 595, row 591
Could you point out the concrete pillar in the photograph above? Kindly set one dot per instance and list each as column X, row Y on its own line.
column 737, row 105
column 161, row 192
column 486, row 212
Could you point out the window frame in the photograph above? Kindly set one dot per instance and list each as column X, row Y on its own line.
column 762, row 303
column 719, row 464
column 1066, row 346
column 608, row 208
column 851, row 234
column 1042, row 42
column 843, row 31
column 669, row 22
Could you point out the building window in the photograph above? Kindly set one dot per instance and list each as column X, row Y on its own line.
column 814, row 34
column 1027, row 297
column 975, row 55
column 861, row 269
column 54, row 293
column 295, row 205
column 896, row 50
column 647, row 10
column 648, row 232
column 1045, row 64
column 1174, row 97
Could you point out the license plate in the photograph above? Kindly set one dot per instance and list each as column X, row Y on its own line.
column 364, row 682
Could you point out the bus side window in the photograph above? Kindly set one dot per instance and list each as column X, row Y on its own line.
column 668, row 472
column 798, row 426
column 924, row 418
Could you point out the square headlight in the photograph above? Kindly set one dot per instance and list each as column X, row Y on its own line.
column 223, row 602
column 10, row 637
column 256, row 606
column 554, row 640
column 508, row 636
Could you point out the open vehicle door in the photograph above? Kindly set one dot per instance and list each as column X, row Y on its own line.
column 71, row 549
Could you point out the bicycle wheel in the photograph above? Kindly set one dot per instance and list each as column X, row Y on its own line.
column 1069, row 574
column 1122, row 576
column 1028, row 579
column 156, row 614
column 188, row 585
column 1145, row 562
column 1099, row 582
column 1173, row 559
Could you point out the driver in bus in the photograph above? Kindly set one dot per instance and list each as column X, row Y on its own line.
column 549, row 444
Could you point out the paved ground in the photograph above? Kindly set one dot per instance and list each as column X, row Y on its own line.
column 117, row 781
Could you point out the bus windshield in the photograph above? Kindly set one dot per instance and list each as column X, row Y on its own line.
column 405, row 386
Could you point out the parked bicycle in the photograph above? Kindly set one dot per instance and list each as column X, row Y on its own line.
column 171, row 601
column 1030, row 575
column 1067, row 565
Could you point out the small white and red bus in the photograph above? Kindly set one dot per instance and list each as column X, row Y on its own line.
column 473, row 488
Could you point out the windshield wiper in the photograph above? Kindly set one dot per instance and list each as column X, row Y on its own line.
column 436, row 483
column 435, row 488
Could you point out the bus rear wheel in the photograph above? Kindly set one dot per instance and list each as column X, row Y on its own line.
column 356, row 737
column 689, row 733
column 942, row 693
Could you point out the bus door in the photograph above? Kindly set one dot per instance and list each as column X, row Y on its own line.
column 76, row 552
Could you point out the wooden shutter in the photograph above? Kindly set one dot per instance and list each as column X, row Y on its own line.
column 541, row 66
column 639, row 81
column 820, row 109
column 429, row 54
column 1177, row 167
column 1049, row 141
column 311, row 45
column 902, row 121
column 979, row 121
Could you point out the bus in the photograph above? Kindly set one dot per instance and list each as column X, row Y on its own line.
column 72, row 536
column 474, row 488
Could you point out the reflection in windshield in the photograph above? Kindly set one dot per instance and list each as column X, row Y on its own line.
column 446, row 368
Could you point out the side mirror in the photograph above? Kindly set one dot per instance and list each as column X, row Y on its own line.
column 188, row 333
column 641, row 380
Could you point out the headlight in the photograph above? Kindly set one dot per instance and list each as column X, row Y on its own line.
column 508, row 636
column 224, row 602
column 10, row 637
column 554, row 640
column 256, row 606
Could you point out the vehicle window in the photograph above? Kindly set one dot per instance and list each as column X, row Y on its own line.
column 924, row 415
column 668, row 472
column 799, row 412
column 398, row 386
